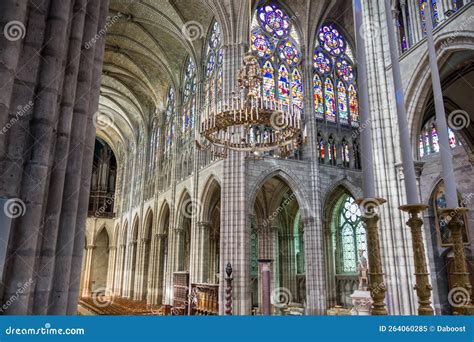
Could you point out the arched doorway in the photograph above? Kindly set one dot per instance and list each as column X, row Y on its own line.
column 100, row 262
column 277, row 233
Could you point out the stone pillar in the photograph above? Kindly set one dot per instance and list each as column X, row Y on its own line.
column 87, row 290
column 131, row 269
column 204, row 247
column 159, row 276
column 56, row 186
column 111, row 270
column 34, row 161
column 88, row 157
column 143, row 262
column 122, row 271
column 10, row 11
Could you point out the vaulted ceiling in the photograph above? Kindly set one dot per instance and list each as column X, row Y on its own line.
column 146, row 49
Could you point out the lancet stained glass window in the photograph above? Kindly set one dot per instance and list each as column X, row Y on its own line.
column 428, row 140
column 189, row 101
column 333, row 62
column 169, row 122
column 275, row 41
column 213, row 66
column 424, row 13
column 350, row 234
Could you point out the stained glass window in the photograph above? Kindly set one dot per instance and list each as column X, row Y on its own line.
column 342, row 103
column 424, row 12
column 321, row 148
column 169, row 122
column 189, row 101
column 297, row 88
column 333, row 62
column 318, row 97
column 350, row 234
column 275, row 41
column 283, row 84
column 332, row 151
column 213, row 66
column 329, row 100
column 428, row 139
column 353, row 106
column 345, row 153
column 268, row 81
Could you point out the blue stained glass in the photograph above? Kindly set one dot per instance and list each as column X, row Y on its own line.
column 274, row 20
column 331, row 40
column 261, row 44
column 283, row 84
column 289, row 53
column 297, row 88
column 329, row 100
column 322, row 63
column 342, row 103
column 344, row 70
column 318, row 97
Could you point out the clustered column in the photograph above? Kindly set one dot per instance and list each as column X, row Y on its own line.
column 50, row 74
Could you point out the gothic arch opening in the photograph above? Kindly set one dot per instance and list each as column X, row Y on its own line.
column 100, row 262
column 132, row 267
column 277, row 233
column 210, row 233
column 345, row 246
column 147, row 254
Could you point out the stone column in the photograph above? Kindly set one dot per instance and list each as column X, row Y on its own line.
column 111, row 270
column 10, row 11
column 56, row 186
column 35, row 164
column 131, row 269
column 87, row 291
column 119, row 275
column 204, row 236
column 88, row 156
column 159, row 271
column 68, row 220
column 137, row 286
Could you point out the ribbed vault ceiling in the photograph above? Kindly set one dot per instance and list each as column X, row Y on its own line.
column 145, row 52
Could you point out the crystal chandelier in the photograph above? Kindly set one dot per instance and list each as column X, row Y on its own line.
column 247, row 121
